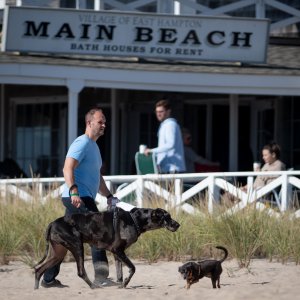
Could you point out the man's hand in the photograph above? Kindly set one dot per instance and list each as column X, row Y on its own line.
column 76, row 201
column 147, row 151
column 112, row 202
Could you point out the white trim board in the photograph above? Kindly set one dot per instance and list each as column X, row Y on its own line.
column 255, row 84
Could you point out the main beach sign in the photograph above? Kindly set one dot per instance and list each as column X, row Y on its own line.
column 160, row 36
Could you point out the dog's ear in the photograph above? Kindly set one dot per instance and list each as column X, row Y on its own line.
column 158, row 214
column 184, row 267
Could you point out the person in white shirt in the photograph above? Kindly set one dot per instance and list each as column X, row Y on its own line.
column 170, row 151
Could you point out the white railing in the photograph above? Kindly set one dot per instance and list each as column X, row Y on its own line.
column 260, row 7
column 290, row 16
column 180, row 188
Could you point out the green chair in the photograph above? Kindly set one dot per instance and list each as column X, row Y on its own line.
column 145, row 164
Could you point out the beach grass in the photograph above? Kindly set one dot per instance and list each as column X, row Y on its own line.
column 247, row 234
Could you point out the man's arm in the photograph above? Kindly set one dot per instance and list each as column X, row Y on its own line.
column 111, row 200
column 68, row 170
column 104, row 191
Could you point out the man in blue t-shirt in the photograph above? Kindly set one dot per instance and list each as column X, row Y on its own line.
column 83, row 181
column 170, row 151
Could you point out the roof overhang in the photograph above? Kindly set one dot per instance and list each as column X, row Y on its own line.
column 269, row 79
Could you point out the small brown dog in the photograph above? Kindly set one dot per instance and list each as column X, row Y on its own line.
column 193, row 271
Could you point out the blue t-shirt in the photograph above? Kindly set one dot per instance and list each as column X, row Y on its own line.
column 87, row 172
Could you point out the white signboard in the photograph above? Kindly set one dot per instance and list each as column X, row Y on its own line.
column 28, row 29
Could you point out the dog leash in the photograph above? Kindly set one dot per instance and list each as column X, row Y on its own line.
column 115, row 218
column 115, row 221
column 136, row 225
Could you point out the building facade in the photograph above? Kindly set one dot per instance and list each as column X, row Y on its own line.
column 231, row 108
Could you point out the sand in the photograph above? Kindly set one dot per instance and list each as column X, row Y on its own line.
column 161, row 280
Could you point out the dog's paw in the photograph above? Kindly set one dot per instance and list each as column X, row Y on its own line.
column 121, row 286
column 95, row 286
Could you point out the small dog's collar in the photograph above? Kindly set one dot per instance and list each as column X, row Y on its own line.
column 199, row 269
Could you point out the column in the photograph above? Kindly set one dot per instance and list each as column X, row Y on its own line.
column 2, row 118
column 80, row 4
column 260, row 10
column 254, row 129
column 209, row 122
column 99, row 5
column 183, row 9
column 233, row 132
column 114, row 159
column 74, row 86
column 165, row 6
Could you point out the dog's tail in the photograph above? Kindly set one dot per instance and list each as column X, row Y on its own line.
column 225, row 253
column 48, row 231
column 47, row 237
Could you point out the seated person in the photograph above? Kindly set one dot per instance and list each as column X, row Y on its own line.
column 270, row 155
column 191, row 157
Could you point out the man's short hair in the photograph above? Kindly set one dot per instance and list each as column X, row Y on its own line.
column 164, row 103
column 89, row 115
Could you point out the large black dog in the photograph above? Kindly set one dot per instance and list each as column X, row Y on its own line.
column 114, row 231
column 193, row 271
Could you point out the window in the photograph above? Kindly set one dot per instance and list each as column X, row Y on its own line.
column 40, row 137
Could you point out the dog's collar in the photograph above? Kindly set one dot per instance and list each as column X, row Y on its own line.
column 136, row 225
column 199, row 270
